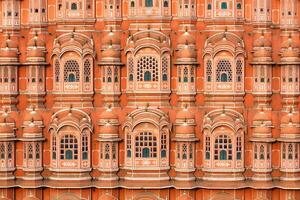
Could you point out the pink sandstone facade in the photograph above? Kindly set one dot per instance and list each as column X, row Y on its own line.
column 149, row 100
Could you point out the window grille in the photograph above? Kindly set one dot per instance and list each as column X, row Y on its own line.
column 68, row 148
column 146, row 145
column 223, row 148
column 71, row 71
column 147, row 69
column 224, row 71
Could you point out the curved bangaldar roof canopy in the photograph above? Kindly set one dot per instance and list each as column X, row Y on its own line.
column 155, row 116
column 76, row 118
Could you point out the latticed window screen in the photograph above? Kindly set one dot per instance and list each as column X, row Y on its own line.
column 84, row 147
column 57, row 70
column 116, row 74
column 69, row 148
column 107, row 152
column 128, row 146
column 113, row 151
column 192, row 73
column 163, row 146
column 165, row 69
column 9, row 150
column 185, row 74
column 209, row 71
column 207, row 148
column 87, row 71
column 54, row 147
column 131, row 69
column 145, row 145
column 223, row 148
column 261, row 152
column 239, row 71
column 147, row 69
column 184, row 151
column 109, row 75
column 2, row 151
column 30, row 151
column 239, row 148
column 224, row 71
column 71, row 71
column 37, row 151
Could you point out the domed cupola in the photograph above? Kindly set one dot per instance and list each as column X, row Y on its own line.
column 290, row 51
column 187, row 53
column 9, row 52
column 262, row 124
column 111, row 47
column 185, row 124
column 109, row 124
column 290, row 125
column 7, row 126
column 262, row 49
column 36, row 50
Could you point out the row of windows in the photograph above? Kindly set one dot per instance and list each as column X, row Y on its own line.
column 69, row 148
column 224, row 71
column 224, row 6
column 74, row 6
column 72, row 71
column 223, row 148
column 146, row 146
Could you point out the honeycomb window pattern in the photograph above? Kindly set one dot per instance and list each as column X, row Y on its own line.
column 165, row 69
column 71, row 67
column 239, row 70
column 147, row 65
column 87, row 71
column 57, row 71
column 224, row 68
column 208, row 71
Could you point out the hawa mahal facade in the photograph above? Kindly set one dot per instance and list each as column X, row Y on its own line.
column 149, row 100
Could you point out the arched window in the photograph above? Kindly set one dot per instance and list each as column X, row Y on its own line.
column 164, row 69
column 87, row 71
column 2, row 151
column 239, row 148
column 283, row 151
column 149, row 3
column 71, row 77
column 147, row 69
column 9, row 150
column 106, row 152
column 30, row 151
column 132, row 4
column 130, row 69
column 185, row 75
column 109, row 75
column 239, row 6
column 128, row 146
column 54, row 147
column 255, row 151
column 223, row 148
column 84, row 147
column 184, row 152
column 207, row 148
column 290, row 152
column 146, row 145
column 74, row 6
column 261, row 152
column 163, row 146
column 224, row 71
column 114, row 151
column 147, row 76
column 71, row 71
column 57, row 70
column 224, row 5
column 6, row 74
column 209, row 71
column 239, row 71
column 146, row 153
column 37, row 151
column 69, row 148
column 224, row 77
column 166, row 4
column 209, row 6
